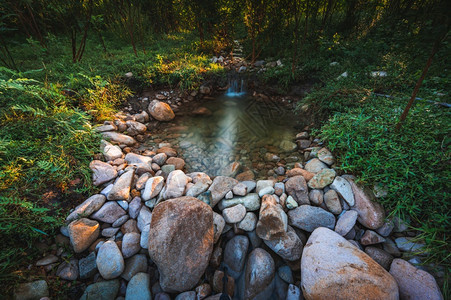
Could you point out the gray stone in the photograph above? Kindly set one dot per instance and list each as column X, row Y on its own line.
column 346, row 222
column 68, row 270
column 330, row 265
column 344, row 189
column 175, row 185
column 261, row 184
column 49, row 259
column 144, row 217
column 221, row 185
column 102, row 172
column 144, row 242
column 89, row 206
column 87, row 266
column 294, row 293
column 160, row 158
column 407, row 244
column 139, row 288
column 134, row 207
column 235, row 254
column 370, row 238
column 121, row 188
column 32, row 290
column 316, row 197
column 291, row 203
column 135, row 127
column 240, row 189
column 332, row 202
column 197, row 189
column 285, row 274
column 279, row 188
column 251, row 185
column 219, row 223
column 119, row 222
column 288, row 246
column 386, row 229
column 123, row 204
column 131, row 244
column 380, row 256
column 109, row 232
column 103, row 290
column 259, row 273
column 153, row 187
column 108, row 213
column 119, row 138
column 134, row 265
column 248, row 223
column 266, row 191
column 111, row 152
column 110, row 261
column 414, row 283
column 296, row 187
column 309, row 218
column 234, row 214
column 190, row 295
column 315, row 165
column 250, row 201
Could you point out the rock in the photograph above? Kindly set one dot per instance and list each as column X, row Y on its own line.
column 235, row 254
column 204, row 89
column 273, row 221
column 119, row 138
column 153, row 187
column 144, row 217
column 121, row 188
column 386, row 229
column 370, row 238
column 315, row 165
column 110, row 261
column 219, row 223
column 330, row 265
column 32, row 290
column 177, row 162
column 205, row 197
column 202, row 111
column 197, row 189
column 234, row 214
column 102, row 172
column 142, row 117
column 266, row 191
column 248, row 223
column 68, row 270
column 109, row 232
column 343, row 188
column 309, row 218
column 287, row 146
column 49, row 259
column 302, row 144
column 322, row 179
column 297, row 188
column 280, row 171
column 134, row 207
column 240, row 189
column 191, row 295
column 414, row 283
column 218, row 283
column 135, row 127
column 380, row 256
column 231, row 170
column 110, row 151
column 332, row 202
column 288, row 246
column 260, row 271
column 346, row 222
column 262, row 184
column 103, row 290
column 390, row 247
column 181, row 242
column 326, row 156
column 131, row 244
column 221, row 185
column 108, row 213
column 279, row 188
column 83, row 233
column 294, row 293
column 175, row 185
column 250, row 201
column 134, row 265
column 87, row 266
column 89, row 206
column 123, row 204
column 160, row 158
column 371, row 214
column 316, row 197
column 407, row 244
column 139, row 288
column 246, row 175
column 161, row 111
column 119, row 222
column 291, row 203
column 105, row 127
column 203, row 291
column 142, row 161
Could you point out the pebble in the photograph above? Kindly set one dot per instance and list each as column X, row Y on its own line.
column 144, row 217
column 240, row 189
column 102, row 172
column 266, row 191
column 88, row 207
column 380, row 256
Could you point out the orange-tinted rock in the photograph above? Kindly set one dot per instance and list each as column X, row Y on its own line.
column 161, row 111
column 83, row 233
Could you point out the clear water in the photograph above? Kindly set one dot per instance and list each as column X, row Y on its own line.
column 240, row 128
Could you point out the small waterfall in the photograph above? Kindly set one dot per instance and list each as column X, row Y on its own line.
column 237, row 86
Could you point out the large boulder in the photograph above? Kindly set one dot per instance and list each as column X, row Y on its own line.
column 332, row 267
column 181, row 242
column 161, row 111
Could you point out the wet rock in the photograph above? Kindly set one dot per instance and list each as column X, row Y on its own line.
column 153, row 187
column 371, row 214
column 248, row 223
column 343, row 188
column 83, row 233
column 309, row 218
column 68, row 270
column 161, row 111
column 273, row 220
column 119, row 138
column 121, row 188
column 322, row 179
column 103, row 290
column 110, row 261
column 370, row 238
column 235, row 254
column 315, row 165
column 134, row 265
column 346, row 222
column 330, row 265
column 108, row 213
column 380, row 256
column 262, row 184
column 288, row 246
column 332, row 202
column 260, row 271
column 234, row 214
column 87, row 266
column 32, row 290
column 231, row 170
column 139, row 288
column 202, row 111
column 89, row 206
column 170, row 152
column 181, row 242
column 131, row 244
column 175, row 185
column 326, row 156
column 221, row 185
column 219, row 223
column 102, row 172
column 246, row 175
column 297, row 188
column 287, row 146
column 414, row 283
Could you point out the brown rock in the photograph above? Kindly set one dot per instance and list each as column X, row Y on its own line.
column 273, row 221
column 297, row 188
column 177, row 162
column 181, row 242
column 170, row 152
column 82, row 233
column 218, row 285
column 247, row 175
column 221, row 185
column 298, row 171
column 161, row 111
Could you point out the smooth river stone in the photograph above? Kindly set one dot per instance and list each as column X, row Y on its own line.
column 220, row 187
column 119, row 138
column 153, row 187
column 122, row 186
column 89, row 206
column 309, row 218
column 250, row 201
column 83, row 233
column 344, row 189
column 110, row 262
column 109, row 212
column 102, row 172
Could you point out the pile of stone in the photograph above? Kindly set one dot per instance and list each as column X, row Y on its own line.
column 154, row 231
